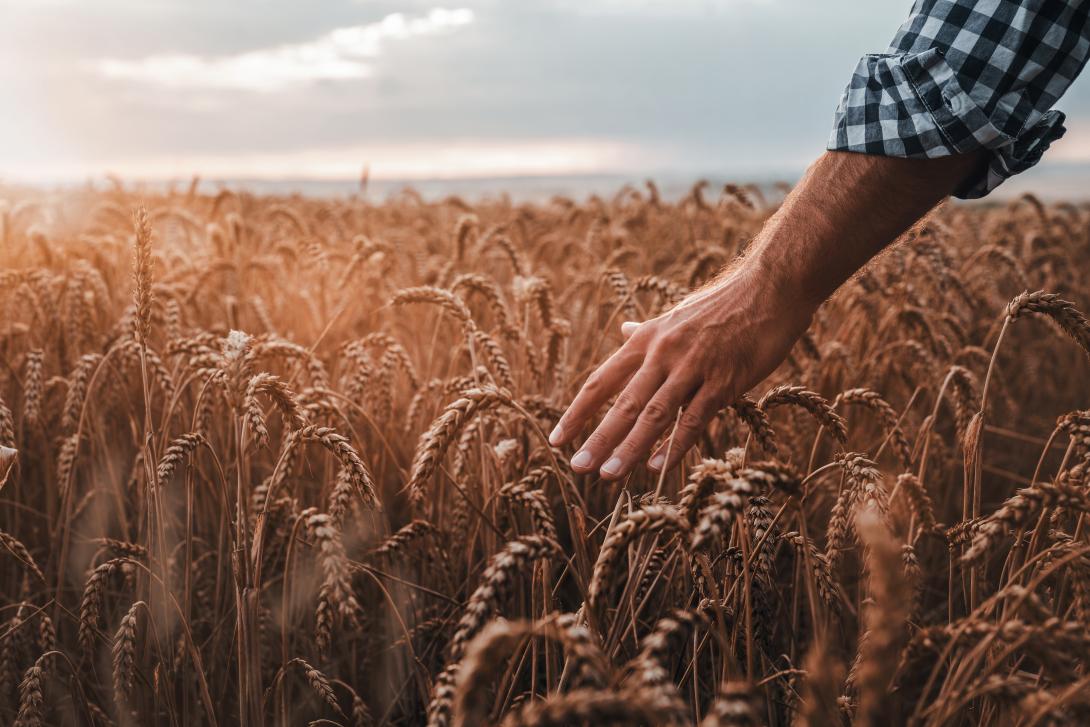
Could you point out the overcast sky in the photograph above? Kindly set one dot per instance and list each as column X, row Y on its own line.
column 283, row 88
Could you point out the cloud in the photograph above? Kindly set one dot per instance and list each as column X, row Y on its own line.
column 342, row 54
column 692, row 86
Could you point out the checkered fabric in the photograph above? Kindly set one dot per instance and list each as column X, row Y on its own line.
column 962, row 75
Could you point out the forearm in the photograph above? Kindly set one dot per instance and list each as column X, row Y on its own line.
column 721, row 341
column 677, row 370
column 843, row 212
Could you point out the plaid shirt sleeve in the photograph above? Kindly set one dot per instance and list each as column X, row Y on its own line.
column 963, row 75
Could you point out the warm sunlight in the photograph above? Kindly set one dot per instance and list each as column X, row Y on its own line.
column 544, row 363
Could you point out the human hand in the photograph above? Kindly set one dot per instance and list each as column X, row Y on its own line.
column 701, row 355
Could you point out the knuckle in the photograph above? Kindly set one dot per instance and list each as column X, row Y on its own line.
column 690, row 421
column 628, row 450
column 696, row 363
column 715, row 393
column 596, row 442
column 643, row 335
column 659, row 352
column 670, row 341
column 681, row 448
column 627, row 407
column 656, row 412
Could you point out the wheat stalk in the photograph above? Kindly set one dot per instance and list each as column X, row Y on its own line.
column 593, row 706
column 487, row 652
column 32, row 386
column 441, row 434
column 335, row 594
column 736, row 705
column 495, row 583
column 142, row 275
column 884, row 622
column 813, row 403
column 20, row 552
column 1063, row 313
column 1067, row 491
column 648, row 520
column 124, row 655
column 496, row 580
column 889, row 418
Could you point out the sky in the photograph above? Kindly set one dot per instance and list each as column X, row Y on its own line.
column 269, row 89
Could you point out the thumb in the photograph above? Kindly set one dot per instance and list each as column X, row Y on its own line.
column 628, row 328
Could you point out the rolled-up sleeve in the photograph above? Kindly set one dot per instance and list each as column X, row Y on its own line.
column 965, row 75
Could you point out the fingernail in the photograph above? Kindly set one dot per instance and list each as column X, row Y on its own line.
column 555, row 436
column 581, row 459
column 657, row 462
column 612, row 466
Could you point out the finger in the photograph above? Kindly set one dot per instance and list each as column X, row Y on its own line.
column 628, row 328
column 659, row 414
column 690, row 425
column 596, row 390
column 619, row 419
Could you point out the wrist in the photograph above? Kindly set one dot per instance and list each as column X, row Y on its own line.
column 782, row 284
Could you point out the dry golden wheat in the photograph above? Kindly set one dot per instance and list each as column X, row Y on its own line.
column 284, row 460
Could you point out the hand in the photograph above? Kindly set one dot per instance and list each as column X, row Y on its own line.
column 702, row 355
column 722, row 340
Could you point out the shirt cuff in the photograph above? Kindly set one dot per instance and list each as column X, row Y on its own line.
column 913, row 105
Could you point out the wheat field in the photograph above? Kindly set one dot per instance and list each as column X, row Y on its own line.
column 283, row 461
